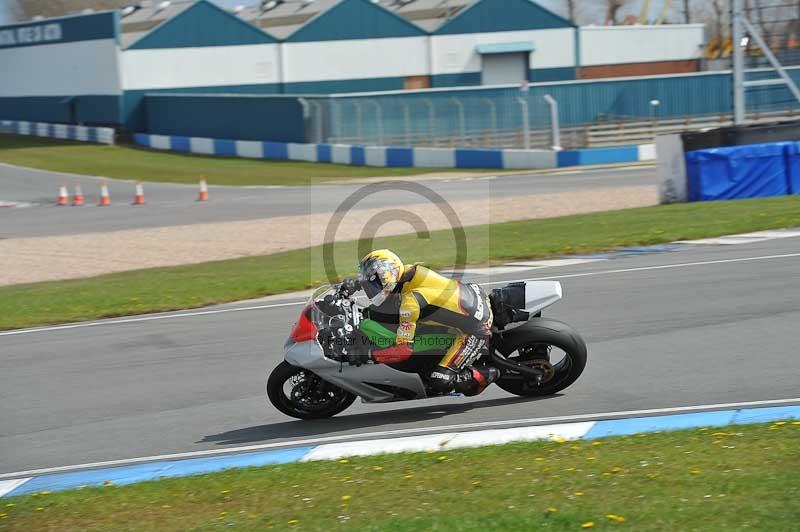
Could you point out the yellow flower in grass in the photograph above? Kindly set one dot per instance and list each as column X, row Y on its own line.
column 166, row 506
column 408, row 477
column 597, row 443
column 292, row 522
column 616, row 518
column 552, row 510
column 795, row 422
column 346, row 498
column 377, row 468
column 223, row 492
column 344, row 461
column 588, row 524
column 442, row 458
column 695, row 471
column 559, row 439
column 579, row 494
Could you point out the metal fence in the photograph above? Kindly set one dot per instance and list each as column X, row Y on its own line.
column 507, row 117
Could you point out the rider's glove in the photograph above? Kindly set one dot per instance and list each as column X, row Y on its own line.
column 349, row 287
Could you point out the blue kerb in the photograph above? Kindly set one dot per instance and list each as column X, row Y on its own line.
column 358, row 156
column 224, row 147
column 479, row 158
column 275, row 150
column 623, row 154
column 323, row 153
column 180, row 144
column 399, row 157
column 141, row 139
column 156, row 470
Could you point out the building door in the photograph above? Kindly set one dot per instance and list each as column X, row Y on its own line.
column 504, row 69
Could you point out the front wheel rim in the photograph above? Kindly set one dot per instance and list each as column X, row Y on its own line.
column 306, row 392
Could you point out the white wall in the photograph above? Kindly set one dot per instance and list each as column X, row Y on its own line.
column 200, row 66
column 453, row 54
column 64, row 69
column 610, row 45
column 355, row 59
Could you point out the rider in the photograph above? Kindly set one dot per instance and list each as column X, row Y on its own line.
column 426, row 296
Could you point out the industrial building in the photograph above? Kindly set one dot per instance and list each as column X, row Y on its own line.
column 102, row 65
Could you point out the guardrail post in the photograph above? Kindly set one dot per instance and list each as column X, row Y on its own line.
column 462, row 121
column 526, row 120
column 406, row 121
column 318, row 121
column 493, row 114
column 555, row 126
column 359, row 116
column 431, row 121
column 378, row 120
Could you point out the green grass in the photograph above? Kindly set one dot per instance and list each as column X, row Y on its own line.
column 159, row 289
column 127, row 162
column 733, row 478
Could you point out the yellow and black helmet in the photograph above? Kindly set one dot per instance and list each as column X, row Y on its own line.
column 379, row 272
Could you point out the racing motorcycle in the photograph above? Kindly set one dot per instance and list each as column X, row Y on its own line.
column 328, row 361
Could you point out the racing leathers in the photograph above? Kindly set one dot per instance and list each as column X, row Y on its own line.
column 428, row 297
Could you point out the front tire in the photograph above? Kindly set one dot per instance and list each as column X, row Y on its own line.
column 528, row 343
column 301, row 394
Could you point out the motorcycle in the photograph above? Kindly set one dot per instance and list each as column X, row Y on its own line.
column 328, row 363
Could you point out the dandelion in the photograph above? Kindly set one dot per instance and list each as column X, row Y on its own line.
column 539, row 459
column 780, row 423
column 579, row 494
column 616, row 469
column 590, row 457
column 559, row 439
column 166, row 506
column 552, row 510
column 606, row 474
column 570, row 469
column 344, row 461
column 616, row 518
column 10, row 505
column 588, row 524
column 40, row 509
column 223, row 492
column 44, row 493
column 408, row 477
column 292, row 522
column 442, row 458
column 695, row 471
column 597, row 443
column 377, row 468
column 346, row 498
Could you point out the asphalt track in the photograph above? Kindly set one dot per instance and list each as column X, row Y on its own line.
column 173, row 204
column 705, row 325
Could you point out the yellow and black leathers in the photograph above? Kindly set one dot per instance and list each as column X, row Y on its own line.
column 428, row 297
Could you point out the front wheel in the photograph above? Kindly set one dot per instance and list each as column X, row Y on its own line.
column 551, row 346
column 299, row 393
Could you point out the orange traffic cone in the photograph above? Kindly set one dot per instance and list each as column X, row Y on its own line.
column 203, row 190
column 105, row 197
column 63, row 197
column 77, row 199
column 138, row 199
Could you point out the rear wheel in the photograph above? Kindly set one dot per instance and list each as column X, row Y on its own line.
column 551, row 346
column 299, row 393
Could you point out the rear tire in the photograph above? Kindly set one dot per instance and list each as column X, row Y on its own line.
column 315, row 399
column 544, row 331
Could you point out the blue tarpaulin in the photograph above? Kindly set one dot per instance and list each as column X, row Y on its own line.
column 736, row 172
column 793, row 166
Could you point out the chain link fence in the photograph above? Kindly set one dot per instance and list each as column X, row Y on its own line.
column 586, row 113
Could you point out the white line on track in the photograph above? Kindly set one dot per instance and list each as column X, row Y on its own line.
column 295, row 303
column 400, row 432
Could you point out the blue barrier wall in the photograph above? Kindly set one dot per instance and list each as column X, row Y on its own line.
column 738, row 172
column 243, row 117
column 793, row 166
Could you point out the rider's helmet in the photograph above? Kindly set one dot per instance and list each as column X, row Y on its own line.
column 379, row 272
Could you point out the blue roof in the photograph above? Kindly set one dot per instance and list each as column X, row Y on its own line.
column 502, row 15
column 506, row 47
column 202, row 24
column 354, row 19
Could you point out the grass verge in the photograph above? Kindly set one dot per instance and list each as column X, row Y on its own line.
column 159, row 289
column 127, row 162
column 733, row 478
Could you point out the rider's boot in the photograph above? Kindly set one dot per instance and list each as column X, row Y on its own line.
column 472, row 381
